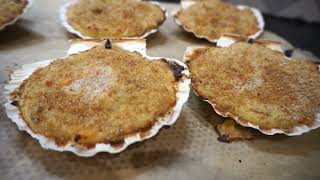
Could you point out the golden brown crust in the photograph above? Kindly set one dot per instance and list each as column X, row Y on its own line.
column 257, row 84
column 10, row 9
column 98, row 96
column 212, row 19
column 229, row 131
column 114, row 18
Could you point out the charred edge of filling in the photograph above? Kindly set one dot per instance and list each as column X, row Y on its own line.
column 250, row 40
column 175, row 68
column 15, row 103
column 288, row 53
column 77, row 138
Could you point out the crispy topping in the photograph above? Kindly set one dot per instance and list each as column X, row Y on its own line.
column 10, row 9
column 114, row 18
column 212, row 19
column 104, row 96
column 257, row 84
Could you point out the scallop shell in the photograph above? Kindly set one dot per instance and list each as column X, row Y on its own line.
column 255, row 11
column 64, row 21
column 228, row 40
column 16, row 18
column 132, row 45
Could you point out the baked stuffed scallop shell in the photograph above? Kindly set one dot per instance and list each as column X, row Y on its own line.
column 101, row 19
column 11, row 10
column 210, row 19
column 102, row 98
column 256, row 85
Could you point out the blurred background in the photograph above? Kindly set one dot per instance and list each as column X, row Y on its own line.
column 298, row 21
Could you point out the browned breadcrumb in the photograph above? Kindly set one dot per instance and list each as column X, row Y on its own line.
column 10, row 9
column 98, row 96
column 257, row 84
column 230, row 131
column 212, row 19
column 114, row 18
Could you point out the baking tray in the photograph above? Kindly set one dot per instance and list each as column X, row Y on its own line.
column 187, row 150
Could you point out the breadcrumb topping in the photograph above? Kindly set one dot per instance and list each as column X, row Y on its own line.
column 212, row 19
column 257, row 84
column 10, row 9
column 97, row 96
column 114, row 18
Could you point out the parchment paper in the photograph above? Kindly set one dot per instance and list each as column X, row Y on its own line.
column 187, row 150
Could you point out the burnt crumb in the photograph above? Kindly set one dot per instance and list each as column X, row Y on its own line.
column 288, row 53
column 240, row 161
column 250, row 41
column 215, row 44
column 108, row 44
column 176, row 69
column 49, row 83
column 96, row 11
column 15, row 103
column 77, row 138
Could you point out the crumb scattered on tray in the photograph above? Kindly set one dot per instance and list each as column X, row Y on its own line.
column 230, row 131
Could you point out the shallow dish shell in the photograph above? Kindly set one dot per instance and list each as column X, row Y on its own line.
column 228, row 40
column 138, row 45
column 255, row 11
column 64, row 21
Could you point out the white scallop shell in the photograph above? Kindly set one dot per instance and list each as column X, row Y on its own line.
column 16, row 18
column 65, row 23
column 226, row 41
column 255, row 11
column 139, row 46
